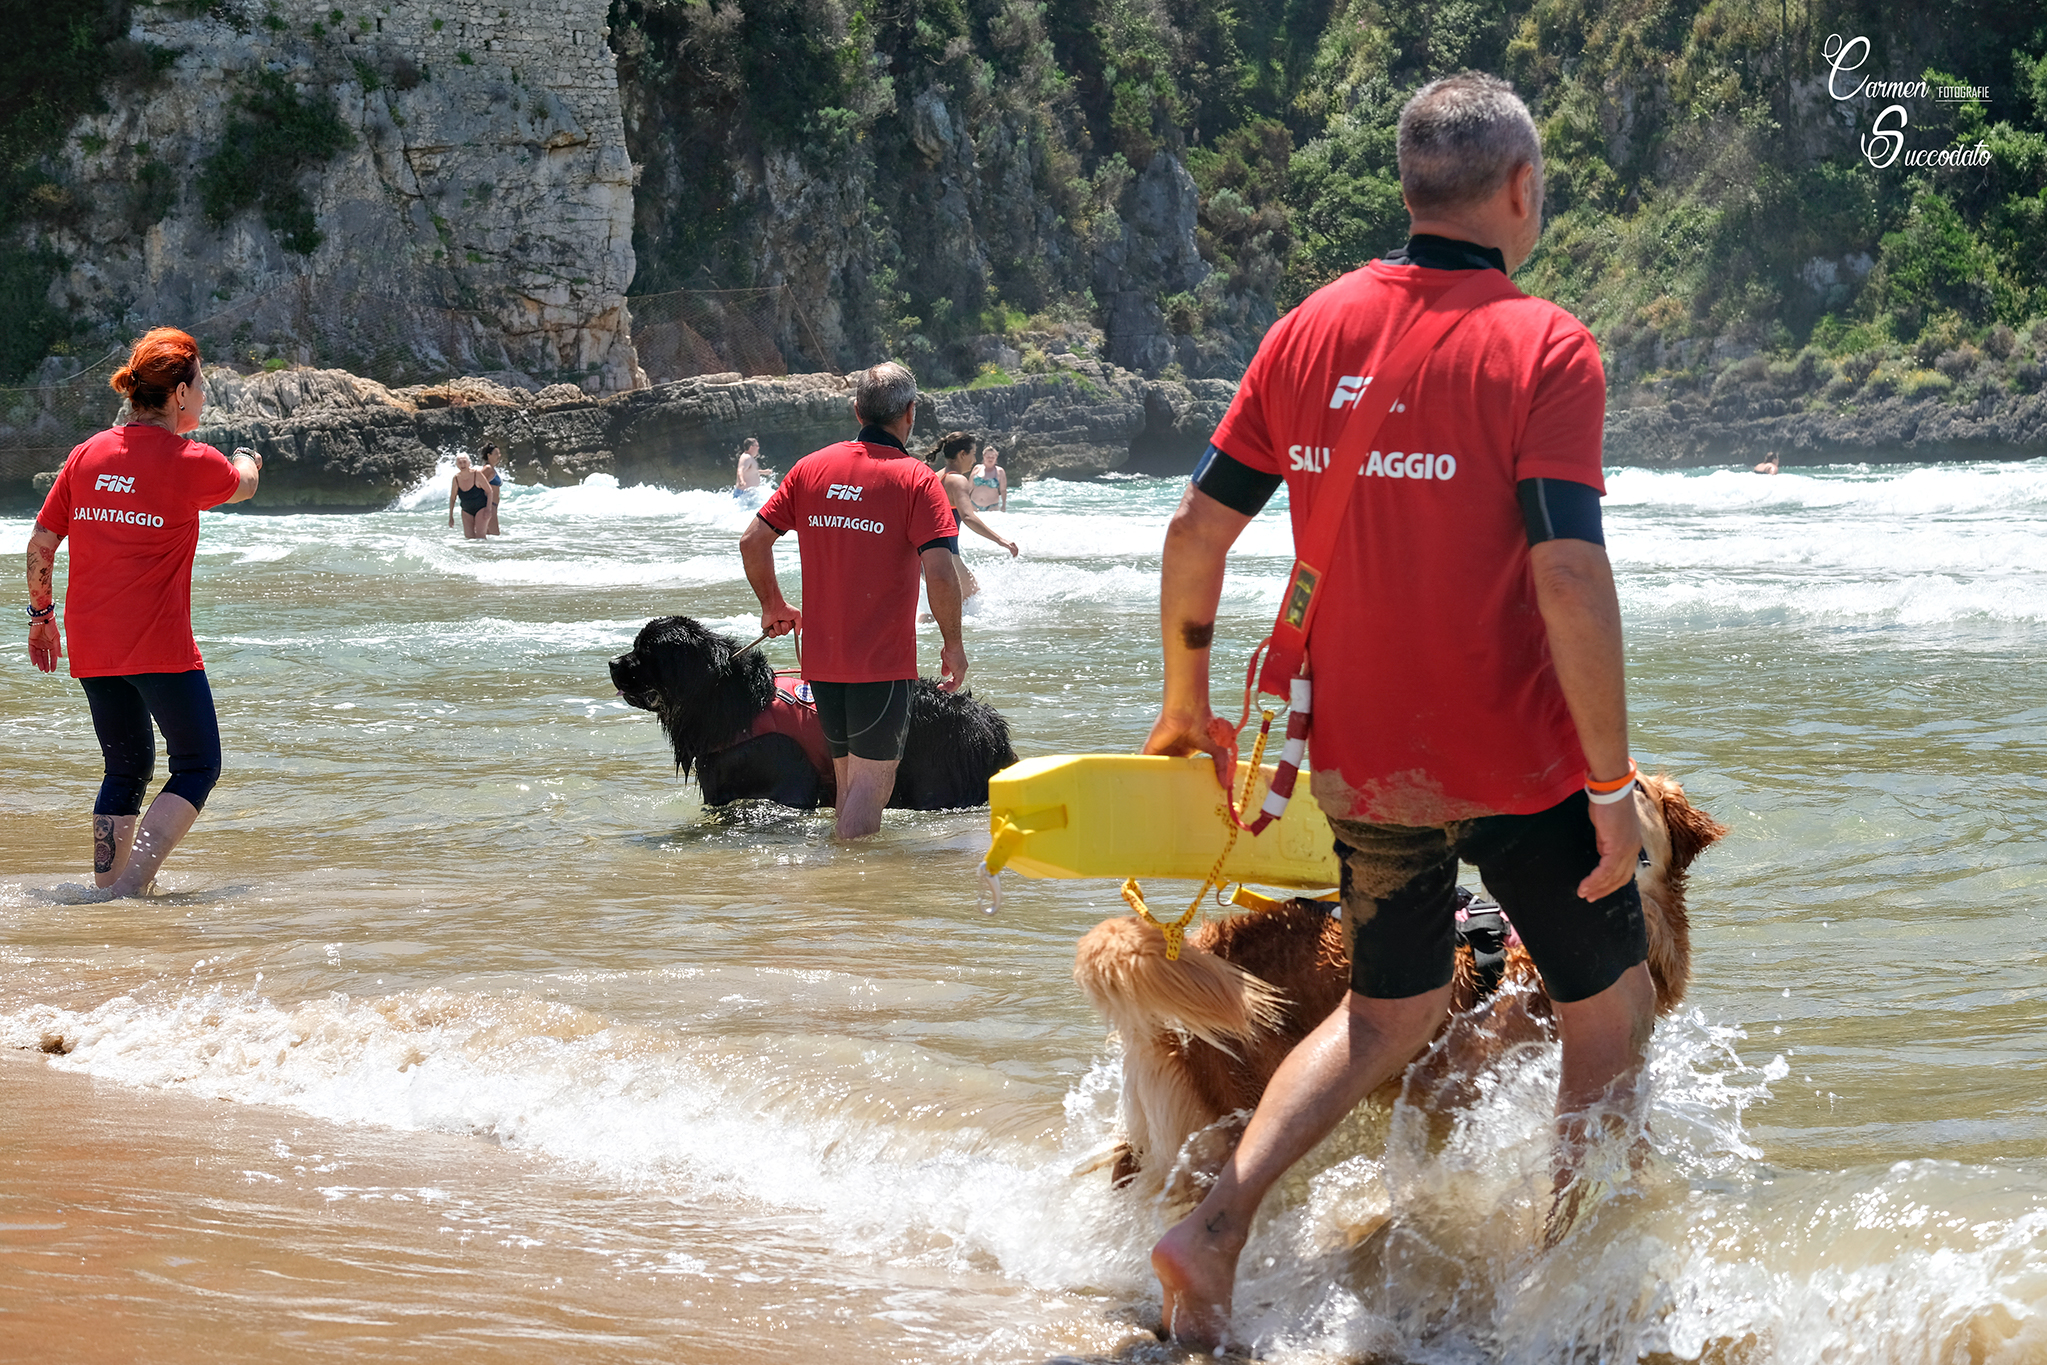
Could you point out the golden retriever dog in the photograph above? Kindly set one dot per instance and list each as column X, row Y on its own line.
column 1203, row 1035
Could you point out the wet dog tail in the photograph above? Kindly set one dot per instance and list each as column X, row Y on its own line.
column 1121, row 965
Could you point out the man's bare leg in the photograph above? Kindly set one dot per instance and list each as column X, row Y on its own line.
column 1360, row 1046
column 168, row 820
column 111, row 837
column 1605, row 1039
column 865, row 785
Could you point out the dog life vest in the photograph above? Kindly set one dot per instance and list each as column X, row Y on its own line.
column 792, row 713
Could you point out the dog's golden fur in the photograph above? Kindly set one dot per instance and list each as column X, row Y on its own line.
column 1203, row 1035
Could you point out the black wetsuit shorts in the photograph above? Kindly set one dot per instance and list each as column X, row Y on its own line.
column 181, row 704
column 1399, row 900
column 865, row 720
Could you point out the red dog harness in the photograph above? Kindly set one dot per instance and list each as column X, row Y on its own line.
column 792, row 713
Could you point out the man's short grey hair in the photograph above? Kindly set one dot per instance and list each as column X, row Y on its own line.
column 883, row 393
column 1460, row 138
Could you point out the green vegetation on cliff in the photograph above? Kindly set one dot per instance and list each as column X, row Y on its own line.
column 1709, row 198
column 54, row 67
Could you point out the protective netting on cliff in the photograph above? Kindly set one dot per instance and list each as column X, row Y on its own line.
column 40, row 423
column 689, row 332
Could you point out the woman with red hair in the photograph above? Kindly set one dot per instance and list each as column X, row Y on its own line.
column 130, row 499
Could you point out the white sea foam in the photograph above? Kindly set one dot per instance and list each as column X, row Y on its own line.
column 1706, row 1247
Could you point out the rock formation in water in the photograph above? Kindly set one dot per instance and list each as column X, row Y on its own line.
column 333, row 441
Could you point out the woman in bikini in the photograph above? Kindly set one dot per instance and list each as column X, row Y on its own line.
column 955, row 456
column 471, row 490
column 494, row 467
column 991, row 483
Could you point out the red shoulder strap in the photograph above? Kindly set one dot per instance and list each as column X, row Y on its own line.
column 1287, row 649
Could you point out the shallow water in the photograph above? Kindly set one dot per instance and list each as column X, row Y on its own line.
column 464, row 1028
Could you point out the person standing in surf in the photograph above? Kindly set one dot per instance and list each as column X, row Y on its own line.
column 991, row 483
column 1469, row 702
column 472, row 490
column 494, row 470
column 955, row 456
column 129, row 500
column 869, row 517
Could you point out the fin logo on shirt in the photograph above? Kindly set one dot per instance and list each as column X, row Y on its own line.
column 114, row 483
column 848, row 491
column 1349, row 389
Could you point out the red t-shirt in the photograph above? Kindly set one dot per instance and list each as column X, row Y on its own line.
column 860, row 511
column 1435, row 697
column 129, row 499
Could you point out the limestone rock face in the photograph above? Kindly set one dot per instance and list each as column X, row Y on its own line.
column 481, row 220
column 1691, row 432
column 1149, row 250
column 332, row 441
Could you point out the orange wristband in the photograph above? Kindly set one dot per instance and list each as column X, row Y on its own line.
column 1606, row 793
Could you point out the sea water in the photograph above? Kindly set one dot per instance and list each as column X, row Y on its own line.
column 462, row 1030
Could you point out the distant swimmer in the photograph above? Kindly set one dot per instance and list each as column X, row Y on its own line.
column 129, row 499
column 494, row 467
column 1769, row 464
column 955, row 455
column 991, row 483
column 752, row 487
column 472, row 490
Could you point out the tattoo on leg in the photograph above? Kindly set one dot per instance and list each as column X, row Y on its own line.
column 1197, row 634
column 1215, row 1224
column 102, row 843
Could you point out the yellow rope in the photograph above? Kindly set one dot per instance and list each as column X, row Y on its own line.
column 1176, row 931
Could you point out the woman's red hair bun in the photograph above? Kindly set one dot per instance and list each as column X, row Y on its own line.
column 162, row 360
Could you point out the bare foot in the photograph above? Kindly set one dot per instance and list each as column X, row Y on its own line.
column 1197, row 1270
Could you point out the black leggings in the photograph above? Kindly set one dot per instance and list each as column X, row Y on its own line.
column 182, row 706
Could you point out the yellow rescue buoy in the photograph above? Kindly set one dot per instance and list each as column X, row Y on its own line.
column 1130, row 815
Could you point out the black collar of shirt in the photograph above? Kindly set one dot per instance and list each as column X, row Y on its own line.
column 1431, row 252
column 877, row 437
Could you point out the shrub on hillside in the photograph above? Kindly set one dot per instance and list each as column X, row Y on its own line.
column 1959, row 361
column 1917, row 384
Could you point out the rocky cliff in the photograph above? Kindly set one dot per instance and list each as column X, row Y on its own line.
column 332, row 441
column 414, row 189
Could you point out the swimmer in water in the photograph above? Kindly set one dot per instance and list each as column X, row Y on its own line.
column 749, row 465
column 469, row 488
column 1769, row 464
column 494, row 468
column 991, row 483
column 955, row 456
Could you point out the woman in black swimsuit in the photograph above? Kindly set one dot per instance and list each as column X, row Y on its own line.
column 469, row 489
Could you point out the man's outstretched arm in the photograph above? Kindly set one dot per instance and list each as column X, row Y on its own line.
column 1198, row 541
column 757, row 554
column 1581, row 609
column 942, row 590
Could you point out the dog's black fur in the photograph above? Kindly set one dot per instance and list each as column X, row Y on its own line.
column 706, row 694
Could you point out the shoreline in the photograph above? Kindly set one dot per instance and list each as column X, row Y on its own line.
column 333, row 442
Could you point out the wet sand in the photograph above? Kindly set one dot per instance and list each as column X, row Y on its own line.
column 143, row 1226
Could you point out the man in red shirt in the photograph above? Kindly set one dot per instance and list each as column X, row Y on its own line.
column 867, row 516
column 1469, row 701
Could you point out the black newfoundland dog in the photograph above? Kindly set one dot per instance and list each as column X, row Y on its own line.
column 746, row 737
